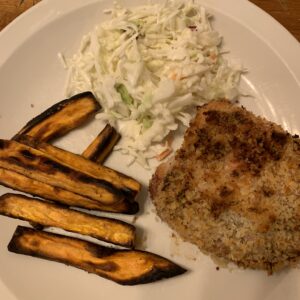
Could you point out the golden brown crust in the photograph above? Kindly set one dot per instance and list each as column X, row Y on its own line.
column 158, row 176
column 240, row 174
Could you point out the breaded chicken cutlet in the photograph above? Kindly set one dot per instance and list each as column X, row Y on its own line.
column 233, row 188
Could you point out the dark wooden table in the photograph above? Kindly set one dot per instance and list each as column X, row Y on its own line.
column 287, row 12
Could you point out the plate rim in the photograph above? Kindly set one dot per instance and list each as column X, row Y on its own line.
column 275, row 35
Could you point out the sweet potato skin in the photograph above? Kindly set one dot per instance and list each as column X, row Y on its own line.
column 49, row 214
column 61, row 118
column 127, row 185
column 102, row 145
column 42, row 167
column 28, row 185
column 126, row 267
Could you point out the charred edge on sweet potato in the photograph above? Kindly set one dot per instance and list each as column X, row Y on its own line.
column 61, row 118
column 40, row 166
column 102, row 145
column 49, row 214
column 125, row 184
column 28, row 185
column 126, row 267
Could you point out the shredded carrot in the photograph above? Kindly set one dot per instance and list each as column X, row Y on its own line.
column 164, row 154
column 213, row 56
column 173, row 76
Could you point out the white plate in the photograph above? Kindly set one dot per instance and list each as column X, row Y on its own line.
column 30, row 73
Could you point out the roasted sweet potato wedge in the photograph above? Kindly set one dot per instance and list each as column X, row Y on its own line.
column 42, row 167
column 127, row 185
column 52, row 215
column 62, row 117
column 28, row 185
column 126, row 267
column 102, row 145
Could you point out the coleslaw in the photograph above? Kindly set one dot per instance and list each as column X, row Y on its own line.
column 148, row 65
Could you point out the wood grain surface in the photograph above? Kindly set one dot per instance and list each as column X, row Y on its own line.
column 287, row 12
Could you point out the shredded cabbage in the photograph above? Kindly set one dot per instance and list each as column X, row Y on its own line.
column 147, row 66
